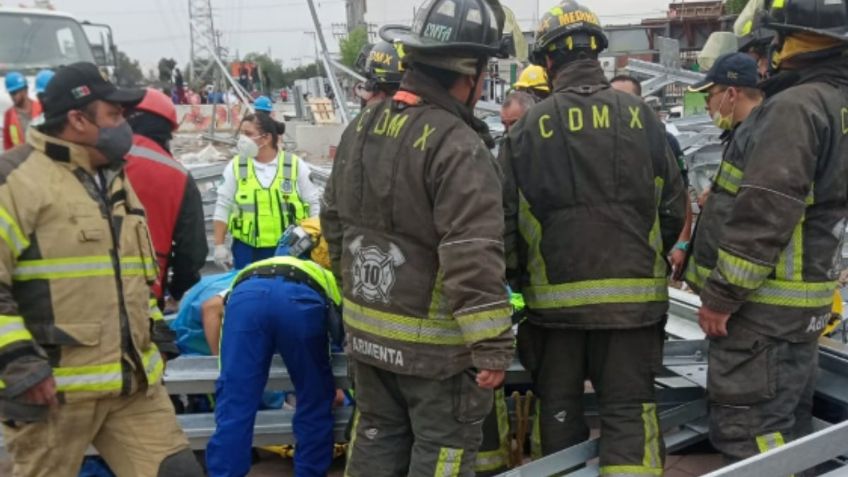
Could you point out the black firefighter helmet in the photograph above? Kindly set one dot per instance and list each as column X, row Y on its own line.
column 570, row 27
column 454, row 29
column 827, row 18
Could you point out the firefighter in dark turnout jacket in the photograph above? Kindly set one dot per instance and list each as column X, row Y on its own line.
column 412, row 214
column 594, row 201
column 768, row 297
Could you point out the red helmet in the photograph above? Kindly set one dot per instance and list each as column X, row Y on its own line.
column 155, row 102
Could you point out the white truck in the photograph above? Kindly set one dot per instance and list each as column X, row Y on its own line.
column 32, row 39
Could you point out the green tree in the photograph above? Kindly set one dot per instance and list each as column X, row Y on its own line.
column 352, row 44
column 734, row 7
column 129, row 71
column 302, row 72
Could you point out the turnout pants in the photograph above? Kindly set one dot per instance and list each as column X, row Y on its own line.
column 137, row 435
column 622, row 365
column 416, row 427
column 264, row 316
column 760, row 390
column 493, row 456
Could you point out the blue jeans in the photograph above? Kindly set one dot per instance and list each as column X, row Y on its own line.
column 244, row 254
column 264, row 316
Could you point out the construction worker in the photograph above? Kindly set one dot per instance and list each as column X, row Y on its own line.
column 515, row 105
column 82, row 346
column 169, row 195
column 777, row 218
column 17, row 118
column 382, row 65
column 412, row 216
column 595, row 160
column 534, row 80
column 283, row 305
column 677, row 257
column 263, row 104
column 42, row 78
column 265, row 190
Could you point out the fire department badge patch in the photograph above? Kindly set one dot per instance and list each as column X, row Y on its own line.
column 374, row 271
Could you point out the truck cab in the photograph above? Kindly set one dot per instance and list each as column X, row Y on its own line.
column 32, row 39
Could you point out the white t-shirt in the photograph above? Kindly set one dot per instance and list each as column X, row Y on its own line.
column 265, row 174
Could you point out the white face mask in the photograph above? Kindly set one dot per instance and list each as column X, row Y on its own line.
column 246, row 147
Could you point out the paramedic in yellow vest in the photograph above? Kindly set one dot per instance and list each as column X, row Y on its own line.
column 265, row 189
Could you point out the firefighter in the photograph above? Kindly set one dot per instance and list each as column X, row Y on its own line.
column 732, row 95
column 265, row 190
column 382, row 65
column 754, row 39
column 534, row 80
column 412, row 214
column 81, row 346
column 278, row 305
column 768, row 296
column 169, row 195
column 677, row 258
column 591, row 159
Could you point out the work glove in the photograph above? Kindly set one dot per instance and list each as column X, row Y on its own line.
column 223, row 257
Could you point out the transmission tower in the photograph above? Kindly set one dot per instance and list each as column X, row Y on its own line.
column 205, row 41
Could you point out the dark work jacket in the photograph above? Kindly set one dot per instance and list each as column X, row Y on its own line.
column 778, row 214
column 594, row 200
column 412, row 216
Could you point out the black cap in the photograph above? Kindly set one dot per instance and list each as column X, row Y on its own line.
column 77, row 85
column 731, row 69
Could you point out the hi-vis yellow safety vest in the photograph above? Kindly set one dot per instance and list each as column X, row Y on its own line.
column 262, row 214
column 300, row 270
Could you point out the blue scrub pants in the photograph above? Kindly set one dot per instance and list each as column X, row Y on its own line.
column 244, row 254
column 264, row 316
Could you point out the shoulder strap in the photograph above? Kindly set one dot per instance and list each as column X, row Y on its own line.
column 288, row 165
column 241, row 166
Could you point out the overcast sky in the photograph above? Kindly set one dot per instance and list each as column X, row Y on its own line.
column 148, row 30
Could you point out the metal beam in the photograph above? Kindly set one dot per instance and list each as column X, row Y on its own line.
column 325, row 56
column 796, row 456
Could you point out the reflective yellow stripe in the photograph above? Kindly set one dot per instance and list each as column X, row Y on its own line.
column 103, row 377
column 449, row 463
column 593, row 292
column 729, row 177
column 488, row 461
column 791, row 262
column 741, row 272
column 767, row 442
column 652, row 459
column 438, row 304
column 154, row 367
column 155, row 312
column 794, row 294
column 402, row 328
column 11, row 233
column 13, row 329
column 79, row 267
column 485, row 324
column 353, row 431
column 531, row 231
column 629, row 470
column 655, row 237
column 15, row 134
column 775, row 292
column 777, row 4
column 696, row 275
column 536, row 435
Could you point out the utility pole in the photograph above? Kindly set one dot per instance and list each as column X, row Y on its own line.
column 328, row 67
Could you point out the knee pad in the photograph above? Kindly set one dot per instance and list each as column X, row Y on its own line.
column 181, row 464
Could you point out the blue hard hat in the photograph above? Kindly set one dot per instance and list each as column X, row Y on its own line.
column 15, row 82
column 41, row 79
column 263, row 103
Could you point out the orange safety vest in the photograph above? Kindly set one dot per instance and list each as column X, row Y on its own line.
column 13, row 133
